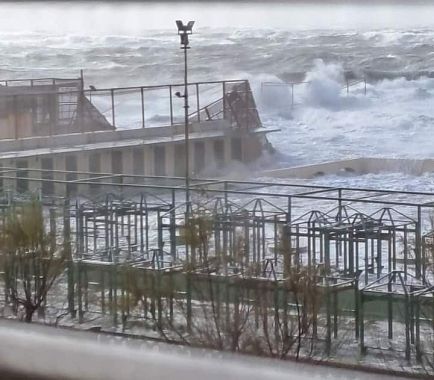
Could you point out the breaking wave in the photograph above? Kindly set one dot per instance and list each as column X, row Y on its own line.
column 393, row 119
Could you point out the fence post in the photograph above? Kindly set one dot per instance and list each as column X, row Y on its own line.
column 53, row 229
column 197, row 102
column 188, row 292
column 224, row 99
column 112, row 92
column 171, row 105
column 418, row 245
column 15, row 117
column 356, row 307
column 417, row 317
column 68, row 254
column 407, row 327
column 362, row 324
column 143, row 107
column 80, row 108
column 247, row 102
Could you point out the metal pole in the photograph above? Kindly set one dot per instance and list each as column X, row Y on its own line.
column 171, row 105
column 417, row 317
column 224, row 99
column 418, row 245
column 143, row 106
column 112, row 93
column 362, row 325
column 197, row 102
column 407, row 327
column 80, row 103
column 68, row 255
column 356, row 307
column 187, row 155
column 389, row 309
column 328, row 319
column 15, row 103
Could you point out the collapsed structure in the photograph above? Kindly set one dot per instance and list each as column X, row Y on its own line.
column 57, row 124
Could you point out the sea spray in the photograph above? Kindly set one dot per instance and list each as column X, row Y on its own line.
column 324, row 85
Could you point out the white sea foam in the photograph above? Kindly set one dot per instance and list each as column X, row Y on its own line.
column 394, row 119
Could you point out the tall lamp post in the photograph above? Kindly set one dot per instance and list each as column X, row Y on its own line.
column 183, row 32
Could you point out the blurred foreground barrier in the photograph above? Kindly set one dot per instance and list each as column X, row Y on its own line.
column 39, row 352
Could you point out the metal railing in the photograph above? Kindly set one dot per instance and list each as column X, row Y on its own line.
column 61, row 110
column 36, row 81
column 161, row 105
column 292, row 86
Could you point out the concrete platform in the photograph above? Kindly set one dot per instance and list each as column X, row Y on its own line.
column 357, row 166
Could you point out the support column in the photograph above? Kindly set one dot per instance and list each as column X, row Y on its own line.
column 362, row 324
column 69, row 258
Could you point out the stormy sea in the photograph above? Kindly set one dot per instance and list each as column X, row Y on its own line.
column 132, row 44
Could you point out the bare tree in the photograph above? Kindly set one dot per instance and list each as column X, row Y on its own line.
column 244, row 311
column 29, row 260
column 226, row 303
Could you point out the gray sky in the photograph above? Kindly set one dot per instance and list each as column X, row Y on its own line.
column 136, row 17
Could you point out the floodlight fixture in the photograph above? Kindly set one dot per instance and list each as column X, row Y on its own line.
column 184, row 31
column 188, row 29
